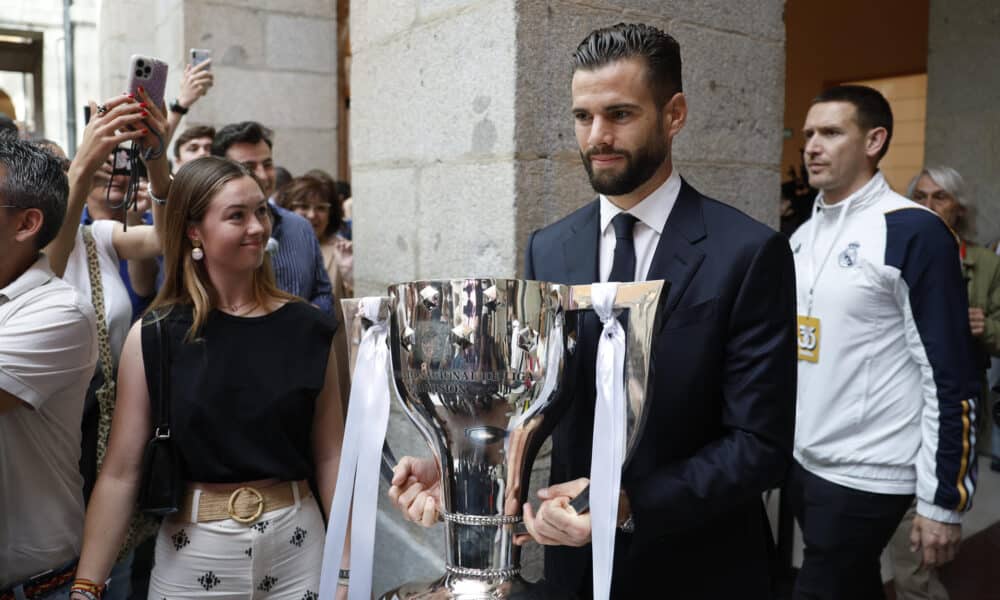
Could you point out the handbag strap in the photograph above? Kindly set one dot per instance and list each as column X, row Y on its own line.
column 156, row 361
column 163, row 421
column 106, row 401
column 97, row 300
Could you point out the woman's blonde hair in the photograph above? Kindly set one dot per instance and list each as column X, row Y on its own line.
column 186, row 280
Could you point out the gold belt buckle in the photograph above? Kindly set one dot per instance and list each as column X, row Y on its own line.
column 232, row 505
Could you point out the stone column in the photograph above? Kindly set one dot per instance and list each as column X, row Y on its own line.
column 274, row 62
column 963, row 101
column 462, row 144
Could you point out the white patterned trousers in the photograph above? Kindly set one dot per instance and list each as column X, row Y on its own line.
column 276, row 558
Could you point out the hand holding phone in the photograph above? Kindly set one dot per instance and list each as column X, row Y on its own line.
column 197, row 78
column 200, row 55
column 150, row 74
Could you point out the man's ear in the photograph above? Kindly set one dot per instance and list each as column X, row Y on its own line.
column 29, row 224
column 675, row 114
column 875, row 140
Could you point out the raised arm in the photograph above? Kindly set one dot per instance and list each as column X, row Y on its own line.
column 195, row 83
column 104, row 132
column 142, row 242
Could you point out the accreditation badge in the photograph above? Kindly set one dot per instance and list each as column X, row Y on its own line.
column 808, row 337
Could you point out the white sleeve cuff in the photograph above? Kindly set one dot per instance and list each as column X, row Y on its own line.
column 936, row 513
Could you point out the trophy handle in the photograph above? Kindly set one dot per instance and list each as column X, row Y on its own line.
column 356, row 326
column 645, row 301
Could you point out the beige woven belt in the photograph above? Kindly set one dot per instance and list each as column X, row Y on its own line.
column 243, row 504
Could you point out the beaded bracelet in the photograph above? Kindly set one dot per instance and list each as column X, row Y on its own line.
column 91, row 590
column 87, row 595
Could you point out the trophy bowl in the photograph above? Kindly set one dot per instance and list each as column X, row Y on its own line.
column 476, row 363
column 478, row 366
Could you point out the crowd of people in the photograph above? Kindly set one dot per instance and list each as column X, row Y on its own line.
column 235, row 275
column 847, row 364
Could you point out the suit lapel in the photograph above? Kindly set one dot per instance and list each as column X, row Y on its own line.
column 580, row 248
column 677, row 259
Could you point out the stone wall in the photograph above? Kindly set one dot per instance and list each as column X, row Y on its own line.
column 462, row 144
column 963, row 101
column 274, row 62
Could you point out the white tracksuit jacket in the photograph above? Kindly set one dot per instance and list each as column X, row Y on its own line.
column 889, row 406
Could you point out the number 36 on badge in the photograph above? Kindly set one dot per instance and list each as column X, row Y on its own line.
column 808, row 337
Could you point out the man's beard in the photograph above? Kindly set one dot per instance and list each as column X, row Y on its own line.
column 639, row 167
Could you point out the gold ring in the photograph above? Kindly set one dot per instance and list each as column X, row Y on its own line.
column 232, row 505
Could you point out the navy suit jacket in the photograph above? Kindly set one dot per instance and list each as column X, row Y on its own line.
column 722, row 415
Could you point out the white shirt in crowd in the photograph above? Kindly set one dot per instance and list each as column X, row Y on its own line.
column 117, row 304
column 48, row 351
column 652, row 213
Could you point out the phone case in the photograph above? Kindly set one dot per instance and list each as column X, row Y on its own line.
column 149, row 73
column 200, row 55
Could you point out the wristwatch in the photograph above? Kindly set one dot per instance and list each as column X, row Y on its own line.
column 628, row 526
column 176, row 107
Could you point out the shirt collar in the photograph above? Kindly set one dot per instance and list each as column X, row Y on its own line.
column 38, row 274
column 653, row 210
column 861, row 198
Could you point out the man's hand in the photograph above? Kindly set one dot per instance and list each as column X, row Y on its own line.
column 557, row 523
column 416, row 490
column 195, row 83
column 939, row 541
column 977, row 321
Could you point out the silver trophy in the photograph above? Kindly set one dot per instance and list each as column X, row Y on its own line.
column 479, row 364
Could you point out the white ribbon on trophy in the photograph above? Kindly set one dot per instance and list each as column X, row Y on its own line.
column 608, row 449
column 360, row 458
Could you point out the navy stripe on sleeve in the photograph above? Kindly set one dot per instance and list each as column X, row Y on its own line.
column 921, row 246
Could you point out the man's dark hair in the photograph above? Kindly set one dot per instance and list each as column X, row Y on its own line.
column 8, row 128
column 246, row 132
column 31, row 177
column 282, row 177
column 193, row 133
column 635, row 40
column 870, row 105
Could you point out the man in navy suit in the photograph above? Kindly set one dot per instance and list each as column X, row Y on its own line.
column 720, row 426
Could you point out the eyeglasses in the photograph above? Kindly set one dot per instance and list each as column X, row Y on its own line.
column 11, row 206
column 322, row 207
column 938, row 196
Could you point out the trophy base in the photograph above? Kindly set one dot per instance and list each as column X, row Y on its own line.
column 451, row 587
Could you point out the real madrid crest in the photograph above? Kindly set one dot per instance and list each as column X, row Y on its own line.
column 849, row 257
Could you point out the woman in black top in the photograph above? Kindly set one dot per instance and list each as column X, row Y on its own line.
column 255, row 408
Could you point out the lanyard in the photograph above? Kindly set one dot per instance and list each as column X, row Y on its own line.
column 817, row 271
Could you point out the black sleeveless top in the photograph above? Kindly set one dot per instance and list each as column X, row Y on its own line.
column 243, row 393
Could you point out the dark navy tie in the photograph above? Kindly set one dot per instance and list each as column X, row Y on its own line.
column 623, row 266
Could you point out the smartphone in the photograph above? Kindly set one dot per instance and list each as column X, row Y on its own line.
column 200, row 55
column 149, row 73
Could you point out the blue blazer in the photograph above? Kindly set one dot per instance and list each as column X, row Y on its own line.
column 722, row 415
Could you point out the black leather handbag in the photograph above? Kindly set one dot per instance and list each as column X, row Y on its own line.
column 162, row 488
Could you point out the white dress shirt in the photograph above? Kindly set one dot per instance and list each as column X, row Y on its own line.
column 652, row 213
column 48, row 349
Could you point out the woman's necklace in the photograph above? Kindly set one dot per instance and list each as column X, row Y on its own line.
column 236, row 308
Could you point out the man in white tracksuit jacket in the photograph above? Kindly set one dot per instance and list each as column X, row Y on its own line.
column 886, row 385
